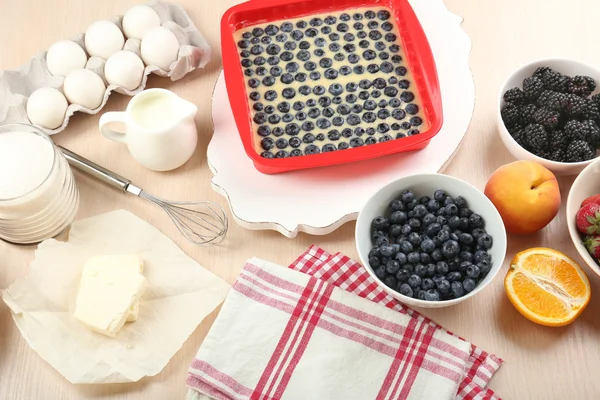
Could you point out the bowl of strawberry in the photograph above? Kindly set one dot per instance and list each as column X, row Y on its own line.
column 583, row 211
column 430, row 240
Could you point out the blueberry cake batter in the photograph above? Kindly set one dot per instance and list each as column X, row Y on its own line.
column 328, row 82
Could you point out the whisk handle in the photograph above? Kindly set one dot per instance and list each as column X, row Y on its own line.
column 93, row 169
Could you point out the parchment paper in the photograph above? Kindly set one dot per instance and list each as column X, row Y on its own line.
column 180, row 294
column 17, row 85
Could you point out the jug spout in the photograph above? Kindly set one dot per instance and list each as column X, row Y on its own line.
column 188, row 109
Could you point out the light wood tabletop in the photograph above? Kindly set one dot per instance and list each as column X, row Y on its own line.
column 541, row 363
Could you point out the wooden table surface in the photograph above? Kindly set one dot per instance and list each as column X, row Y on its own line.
column 541, row 363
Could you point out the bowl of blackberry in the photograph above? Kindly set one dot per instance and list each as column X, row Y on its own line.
column 549, row 112
column 431, row 240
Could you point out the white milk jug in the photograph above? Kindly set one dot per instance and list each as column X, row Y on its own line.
column 160, row 131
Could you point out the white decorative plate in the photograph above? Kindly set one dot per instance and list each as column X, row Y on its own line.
column 318, row 201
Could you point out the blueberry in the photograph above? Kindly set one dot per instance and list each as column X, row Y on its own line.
column 427, row 284
column 414, row 238
column 369, row 54
column 392, row 267
column 484, row 268
column 481, row 255
column 394, row 48
column 414, row 281
column 278, row 131
column 258, row 107
column 436, row 254
column 401, row 71
column 303, row 55
column 420, row 211
column 269, row 109
column 343, row 146
column 370, row 14
column 407, row 196
column 443, row 235
column 320, row 137
column 348, row 37
column 405, row 290
column 401, row 257
column 457, row 289
column 380, row 272
column 331, row 74
column 380, row 46
column 326, row 30
column 315, row 75
column 357, row 109
column 374, row 262
column 342, row 27
column 345, row 17
column 441, row 268
column 398, row 114
column 390, row 91
column 402, row 275
column 330, row 20
column 328, row 112
column 260, row 118
column 397, row 217
column 356, row 142
column 416, row 121
column 282, row 154
column 308, row 138
column 304, row 90
column 375, row 35
column 413, row 257
column 466, row 238
column 273, row 49
column 450, row 248
column 304, row 45
column 247, row 35
column 264, row 131
column 314, row 113
column 475, row 221
column 370, row 131
column 454, row 276
column 311, row 149
column 411, row 109
column 421, row 270
column 292, row 130
column 282, row 37
column 390, row 281
column 473, row 271
column 256, row 32
column 353, row 59
column 373, row 25
column 344, row 70
column 451, row 209
column 274, row 119
column 246, row 63
column 271, row 30
column 465, row 212
column 268, row 81
column 256, row 49
column 424, row 200
column 267, row 143
column 386, row 26
column 427, row 246
column 287, row 118
column 319, row 90
column 383, row 15
column 364, row 44
column 333, row 135
column 334, row 36
column 370, row 105
column 308, row 126
column 406, row 125
column 463, row 223
column 329, row 147
column 484, row 241
column 469, row 285
column 267, row 154
column 465, row 255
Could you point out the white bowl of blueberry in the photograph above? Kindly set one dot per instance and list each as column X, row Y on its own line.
column 549, row 112
column 431, row 240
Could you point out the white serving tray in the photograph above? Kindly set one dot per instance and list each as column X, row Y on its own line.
column 318, row 201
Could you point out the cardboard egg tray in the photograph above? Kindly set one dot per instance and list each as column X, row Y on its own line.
column 17, row 85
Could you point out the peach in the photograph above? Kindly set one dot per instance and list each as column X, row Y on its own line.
column 526, row 195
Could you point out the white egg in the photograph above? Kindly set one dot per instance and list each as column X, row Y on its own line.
column 124, row 69
column 138, row 20
column 85, row 88
column 103, row 38
column 160, row 48
column 46, row 107
column 65, row 56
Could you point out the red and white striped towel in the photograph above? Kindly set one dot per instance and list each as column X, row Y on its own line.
column 282, row 334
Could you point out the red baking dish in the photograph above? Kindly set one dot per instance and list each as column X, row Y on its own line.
column 419, row 59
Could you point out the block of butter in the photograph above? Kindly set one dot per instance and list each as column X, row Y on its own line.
column 110, row 288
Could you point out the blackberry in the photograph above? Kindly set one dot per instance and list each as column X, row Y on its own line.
column 511, row 115
column 527, row 113
column 558, row 155
column 574, row 106
column 556, row 81
column 515, row 96
column 559, row 140
column 536, row 137
column 576, row 130
column 549, row 119
column 582, row 86
column 533, row 87
column 579, row 150
column 540, row 71
column 552, row 100
column 596, row 99
column 593, row 134
column 592, row 110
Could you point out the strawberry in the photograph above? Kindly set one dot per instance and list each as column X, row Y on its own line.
column 588, row 219
column 595, row 199
column 592, row 244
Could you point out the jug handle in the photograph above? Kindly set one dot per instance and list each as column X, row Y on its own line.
column 109, row 118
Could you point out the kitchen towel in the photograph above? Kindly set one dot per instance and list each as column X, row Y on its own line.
column 284, row 334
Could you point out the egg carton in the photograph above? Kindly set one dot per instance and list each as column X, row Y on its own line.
column 17, row 85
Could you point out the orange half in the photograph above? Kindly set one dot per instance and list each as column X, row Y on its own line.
column 547, row 287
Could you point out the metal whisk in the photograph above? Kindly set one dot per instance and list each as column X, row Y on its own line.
column 202, row 222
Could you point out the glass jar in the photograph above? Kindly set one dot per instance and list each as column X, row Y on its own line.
column 47, row 196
